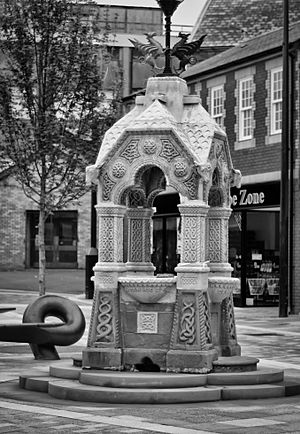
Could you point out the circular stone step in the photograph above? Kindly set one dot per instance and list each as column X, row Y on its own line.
column 235, row 364
column 142, row 380
column 258, row 391
column 65, row 370
column 36, row 383
column 261, row 376
column 75, row 391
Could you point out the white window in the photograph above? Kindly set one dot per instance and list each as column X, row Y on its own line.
column 276, row 100
column 217, row 104
column 246, row 109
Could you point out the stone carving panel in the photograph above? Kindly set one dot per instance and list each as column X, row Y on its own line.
column 191, row 185
column 215, row 236
column 131, row 151
column 147, row 322
column 207, row 319
column 108, row 185
column 136, row 240
column 150, row 147
column 106, row 242
column 169, row 152
column 180, row 169
column 187, row 332
column 118, row 169
column 104, row 329
column 191, row 238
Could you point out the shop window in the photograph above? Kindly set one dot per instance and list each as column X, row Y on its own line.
column 276, row 100
column 60, row 239
column 260, row 252
column 246, row 109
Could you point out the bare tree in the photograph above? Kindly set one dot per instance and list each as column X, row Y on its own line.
column 53, row 110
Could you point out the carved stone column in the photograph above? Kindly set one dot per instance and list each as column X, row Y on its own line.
column 139, row 241
column 224, row 338
column 104, row 334
column 191, row 348
column 217, row 219
column 221, row 284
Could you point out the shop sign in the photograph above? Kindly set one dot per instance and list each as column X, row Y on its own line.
column 256, row 195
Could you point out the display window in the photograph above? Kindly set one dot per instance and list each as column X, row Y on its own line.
column 254, row 254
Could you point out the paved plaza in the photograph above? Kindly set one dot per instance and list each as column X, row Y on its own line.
column 275, row 341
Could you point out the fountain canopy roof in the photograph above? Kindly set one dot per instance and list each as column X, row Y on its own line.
column 168, row 111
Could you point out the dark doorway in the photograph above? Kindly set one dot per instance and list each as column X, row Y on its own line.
column 60, row 239
column 166, row 221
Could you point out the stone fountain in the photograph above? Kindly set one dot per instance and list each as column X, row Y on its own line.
column 182, row 326
column 181, row 323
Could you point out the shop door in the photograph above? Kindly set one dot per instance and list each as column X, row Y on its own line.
column 60, row 240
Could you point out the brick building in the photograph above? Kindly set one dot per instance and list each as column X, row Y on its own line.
column 242, row 89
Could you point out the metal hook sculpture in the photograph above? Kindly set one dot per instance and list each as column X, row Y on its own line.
column 42, row 337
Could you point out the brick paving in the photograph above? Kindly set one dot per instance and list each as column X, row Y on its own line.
column 275, row 341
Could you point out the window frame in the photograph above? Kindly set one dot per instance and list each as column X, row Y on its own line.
column 243, row 110
column 274, row 101
column 220, row 116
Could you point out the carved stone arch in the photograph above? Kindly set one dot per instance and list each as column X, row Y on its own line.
column 152, row 196
column 150, row 178
column 136, row 178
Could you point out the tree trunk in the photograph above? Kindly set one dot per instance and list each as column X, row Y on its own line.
column 42, row 253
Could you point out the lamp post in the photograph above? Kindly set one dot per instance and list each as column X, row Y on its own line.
column 168, row 7
column 284, row 186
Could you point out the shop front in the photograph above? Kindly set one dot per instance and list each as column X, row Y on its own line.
column 254, row 243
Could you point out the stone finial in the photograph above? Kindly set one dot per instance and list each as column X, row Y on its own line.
column 91, row 175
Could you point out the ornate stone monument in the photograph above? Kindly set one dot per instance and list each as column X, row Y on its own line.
column 181, row 323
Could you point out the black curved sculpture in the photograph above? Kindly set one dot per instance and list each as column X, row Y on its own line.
column 42, row 336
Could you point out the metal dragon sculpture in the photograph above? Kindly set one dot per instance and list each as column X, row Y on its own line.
column 182, row 50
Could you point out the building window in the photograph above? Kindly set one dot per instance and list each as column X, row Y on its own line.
column 217, row 104
column 246, row 109
column 276, row 100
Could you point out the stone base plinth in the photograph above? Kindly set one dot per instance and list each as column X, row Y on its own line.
column 235, row 364
column 191, row 361
column 229, row 350
column 132, row 356
column 102, row 358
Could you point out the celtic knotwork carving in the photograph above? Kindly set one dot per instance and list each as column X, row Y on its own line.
column 136, row 240
column 231, row 320
column 147, row 322
column 131, row 151
column 215, row 237
column 191, row 239
column 136, row 198
column 169, row 152
column 187, row 323
column 150, row 147
column 104, row 327
column 207, row 318
column 108, row 185
column 191, row 186
column 106, row 250
column 180, row 169
column 118, row 169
